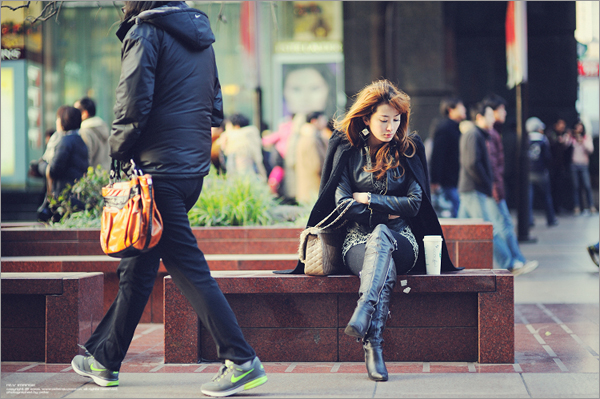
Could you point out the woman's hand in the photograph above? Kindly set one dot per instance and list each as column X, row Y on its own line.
column 362, row 198
column 393, row 216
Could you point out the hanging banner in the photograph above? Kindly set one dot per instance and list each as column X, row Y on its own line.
column 516, row 43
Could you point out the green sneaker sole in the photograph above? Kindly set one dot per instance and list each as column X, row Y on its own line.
column 99, row 381
column 249, row 385
column 255, row 383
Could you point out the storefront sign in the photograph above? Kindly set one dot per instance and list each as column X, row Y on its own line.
column 297, row 47
column 8, row 121
column 12, row 54
column 588, row 68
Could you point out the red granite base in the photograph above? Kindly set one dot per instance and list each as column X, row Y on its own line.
column 53, row 311
column 460, row 316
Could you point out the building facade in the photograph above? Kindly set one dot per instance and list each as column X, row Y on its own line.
column 276, row 59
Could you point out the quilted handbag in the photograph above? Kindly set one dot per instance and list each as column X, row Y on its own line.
column 321, row 246
column 131, row 223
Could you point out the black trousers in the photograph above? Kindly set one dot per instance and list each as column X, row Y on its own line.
column 189, row 270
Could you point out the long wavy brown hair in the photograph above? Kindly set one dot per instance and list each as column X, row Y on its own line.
column 367, row 101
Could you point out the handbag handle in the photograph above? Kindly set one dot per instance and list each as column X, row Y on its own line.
column 116, row 170
column 348, row 203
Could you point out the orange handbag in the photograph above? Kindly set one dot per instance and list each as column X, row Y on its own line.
column 131, row 223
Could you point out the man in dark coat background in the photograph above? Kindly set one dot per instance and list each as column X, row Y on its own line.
column 444, row 161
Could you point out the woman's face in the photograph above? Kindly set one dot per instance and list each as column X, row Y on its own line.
column 383, row 125
column 305, row 91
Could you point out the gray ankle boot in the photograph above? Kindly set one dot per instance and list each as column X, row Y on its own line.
column 373, row 341
column 376, row 268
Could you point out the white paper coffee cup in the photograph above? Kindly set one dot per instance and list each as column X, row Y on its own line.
column 433, row 254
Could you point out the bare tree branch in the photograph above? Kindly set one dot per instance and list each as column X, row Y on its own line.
column 16, row 8
column 48, row 11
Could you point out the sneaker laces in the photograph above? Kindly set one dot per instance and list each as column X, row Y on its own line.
column 225, row 368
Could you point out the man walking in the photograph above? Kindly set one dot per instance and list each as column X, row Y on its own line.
column 167, row 99
column 444, row 164
column 475, row 186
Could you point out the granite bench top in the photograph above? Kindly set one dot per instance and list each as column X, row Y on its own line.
column 267, row 282
column 39, row 283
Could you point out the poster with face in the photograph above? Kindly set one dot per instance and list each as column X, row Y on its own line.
column 303, row 86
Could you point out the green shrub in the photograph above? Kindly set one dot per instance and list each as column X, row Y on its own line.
column 80, row 205
column 225, row 201
column 238, row 200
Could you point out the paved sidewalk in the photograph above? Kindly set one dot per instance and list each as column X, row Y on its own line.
column 556, row 348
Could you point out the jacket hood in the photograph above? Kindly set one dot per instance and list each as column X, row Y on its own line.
column 187, row 25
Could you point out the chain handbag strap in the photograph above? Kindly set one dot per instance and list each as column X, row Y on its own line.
column 348, row 203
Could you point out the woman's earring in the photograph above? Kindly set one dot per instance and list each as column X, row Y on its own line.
column 365, row 132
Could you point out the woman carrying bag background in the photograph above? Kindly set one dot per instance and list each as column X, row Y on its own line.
column 373, row 159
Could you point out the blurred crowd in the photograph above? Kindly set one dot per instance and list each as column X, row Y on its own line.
column 468, row 171
column 289, row 159
column 559, row 160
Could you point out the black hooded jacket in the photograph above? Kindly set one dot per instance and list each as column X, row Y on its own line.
column 169, row 94
column 425, row 222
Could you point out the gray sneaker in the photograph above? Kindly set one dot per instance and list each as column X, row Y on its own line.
column 521, row 268
column 232, row 379
column 87, row 366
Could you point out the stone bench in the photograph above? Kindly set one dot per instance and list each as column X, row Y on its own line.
column 45, row 315
column 153, row 313
column 469, row 242
column 458, row 316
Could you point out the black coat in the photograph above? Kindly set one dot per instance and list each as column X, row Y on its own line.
column 70, row 161
column 444, row 162
column 168, row 94
column 424, row 223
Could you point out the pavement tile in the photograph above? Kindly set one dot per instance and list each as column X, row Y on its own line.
column 452, row 386
column 562, row 385
column 399, row 367
column 496, row 368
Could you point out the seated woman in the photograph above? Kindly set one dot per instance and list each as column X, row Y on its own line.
column 70, row 160
column 373, row 159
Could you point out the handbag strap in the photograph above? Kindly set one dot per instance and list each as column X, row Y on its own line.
column 116, row 170
column 347, row 204
column 151, row 214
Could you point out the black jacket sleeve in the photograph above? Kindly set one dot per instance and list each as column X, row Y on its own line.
column 217, row 113
column 134, row 95
column 405, row 207
column 358, row 212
